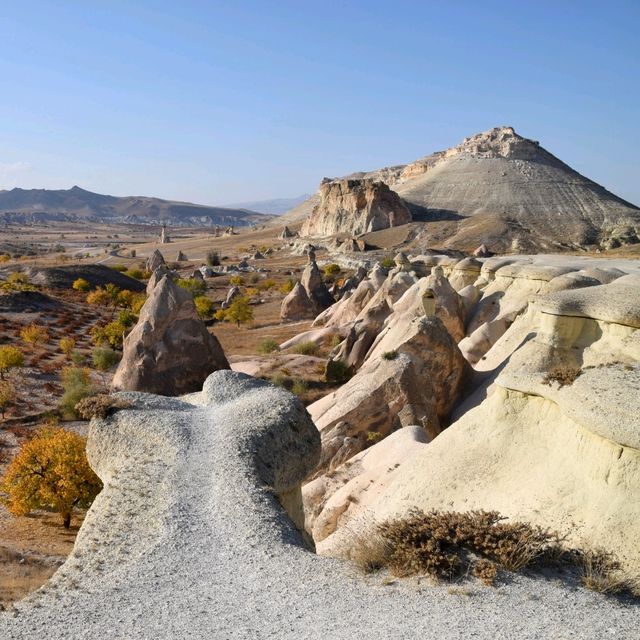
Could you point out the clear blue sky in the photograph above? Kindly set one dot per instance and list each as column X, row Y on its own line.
column 218, row 102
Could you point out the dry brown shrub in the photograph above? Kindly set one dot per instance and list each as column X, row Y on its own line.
column 563, row 374
column 486, row 571
column 100, row 406
column 447, row 544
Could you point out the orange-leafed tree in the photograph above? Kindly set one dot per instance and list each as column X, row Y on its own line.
column 50, row 472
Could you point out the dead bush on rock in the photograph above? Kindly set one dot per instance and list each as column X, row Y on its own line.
column 565, row 375
column 100, row 406
column 447, row 545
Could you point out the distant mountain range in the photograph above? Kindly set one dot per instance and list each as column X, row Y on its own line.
column 76, row 204
column 276, row 206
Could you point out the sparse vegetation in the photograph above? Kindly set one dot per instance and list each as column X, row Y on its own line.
column 307, row 348
column 387, row 263
column 100, row 406
column 8, row 395
column 67, row 345
column 17, row 281
column 239, row 311
column 268, row 345
column 34, row 335
column 390, row 355
column 337, row 371
column 213, row 258
column 287, row 287
column 104, row 358
column 194, row 286
column 76, row 384
column 10, row 358
column 236, row 281
column 204, row 307
column 448, row 544
column 81, row 285
column 565, row 375
column 300, row 388
column 50, row 472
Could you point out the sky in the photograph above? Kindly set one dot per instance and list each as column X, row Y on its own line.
column 216, row 102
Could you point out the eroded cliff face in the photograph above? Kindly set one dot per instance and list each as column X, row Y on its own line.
column 354, row 207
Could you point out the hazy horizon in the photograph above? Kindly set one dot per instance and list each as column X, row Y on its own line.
column 221, row 104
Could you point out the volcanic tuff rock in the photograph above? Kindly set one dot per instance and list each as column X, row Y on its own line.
column 355, row 207
column 188, row 540
column 500, row 190
column 169, row 351
column 297, row 305
column 414, row 378
column 155, row 260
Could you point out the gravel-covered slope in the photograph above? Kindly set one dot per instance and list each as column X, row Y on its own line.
column 187, row 540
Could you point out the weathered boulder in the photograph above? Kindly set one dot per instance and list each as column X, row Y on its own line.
column 169, row 351
column 415, row 378
column 332, row 500
column 286, row 233
column 315, row 287
column 355, row 207
column 155, row 260
column 157, row 275
column 232, row 294
column 297, row 305
column 180, row 257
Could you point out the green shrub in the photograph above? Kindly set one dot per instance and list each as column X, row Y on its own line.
column 104, row 358
column 287, row 287
column 194, row 286
column 268, row 346
column 388, row 262
column 239, row 311
column 76, row 385
column 119, row 267
column 337, row 371
column 213, row 258
column 331, row 271
column 306, row 348
column 299, row 388
column 390, row 355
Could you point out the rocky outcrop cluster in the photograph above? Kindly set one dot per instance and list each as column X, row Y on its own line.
column 354, row 207
column 309, row 297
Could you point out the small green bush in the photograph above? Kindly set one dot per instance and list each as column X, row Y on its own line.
column 390, row 355
column 337, row 371
column 194, row 286
column 299, row 388
column 76, row 385
column 388, row 262
column 306, row 348
column 104, row 358
column 213, row 258
column 268, row 346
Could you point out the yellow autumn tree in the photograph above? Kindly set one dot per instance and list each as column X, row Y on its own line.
column 51, row 472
